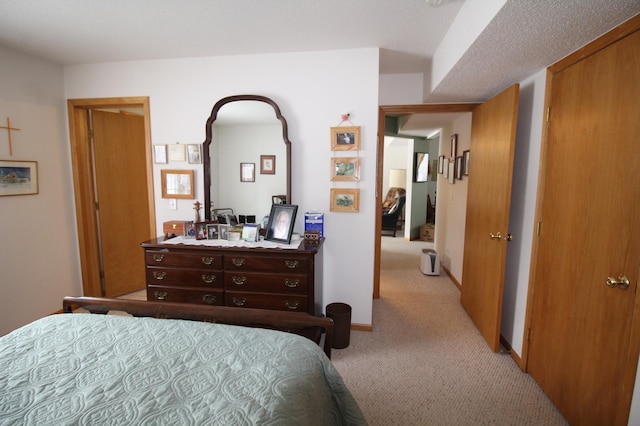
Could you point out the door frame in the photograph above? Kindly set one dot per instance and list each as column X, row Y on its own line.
column 383, row 110
column 84, row 191
column 633, row 350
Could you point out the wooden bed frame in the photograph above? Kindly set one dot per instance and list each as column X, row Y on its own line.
column 300, row 323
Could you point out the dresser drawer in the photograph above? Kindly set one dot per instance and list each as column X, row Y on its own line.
column 185, row 277
column 187, row 260
column 267, row 283
column 185, row 295
column 292, row 264
column 295, row 303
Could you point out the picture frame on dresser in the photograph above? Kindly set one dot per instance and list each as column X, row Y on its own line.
column 281, row 220
column 201, row 230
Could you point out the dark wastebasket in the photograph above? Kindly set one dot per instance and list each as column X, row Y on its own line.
column 340, row 313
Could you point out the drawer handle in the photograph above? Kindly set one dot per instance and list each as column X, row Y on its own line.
column 207, row 260
column 158, row 257
column 239, row 301
column 208, row 278
column 291, row 264
column 209, row 298
column 160, row 295
column 159, row 275
column 292, row 305
column 239, row 280
column 238, row 261
column 291, row 283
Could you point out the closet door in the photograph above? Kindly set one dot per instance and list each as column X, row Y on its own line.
column 493, row 136
column 583, row 347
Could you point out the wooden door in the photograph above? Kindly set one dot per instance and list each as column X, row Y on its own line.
column 580, row 351
column 493, row 132
column 121, row 188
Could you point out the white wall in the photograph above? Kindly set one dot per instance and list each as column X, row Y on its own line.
column 312, row 94
column 451, row 206
column 39, row 261
column 523, row 204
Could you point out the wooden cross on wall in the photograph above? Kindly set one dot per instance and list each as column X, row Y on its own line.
column 9, row 129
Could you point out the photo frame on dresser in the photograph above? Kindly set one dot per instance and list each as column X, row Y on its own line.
column 281, row 220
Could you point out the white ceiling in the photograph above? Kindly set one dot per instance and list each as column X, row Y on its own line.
column 523, row 38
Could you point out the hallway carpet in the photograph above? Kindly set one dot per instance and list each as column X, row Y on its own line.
column 425, row 363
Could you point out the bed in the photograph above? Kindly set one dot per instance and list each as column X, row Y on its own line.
column 172, row 364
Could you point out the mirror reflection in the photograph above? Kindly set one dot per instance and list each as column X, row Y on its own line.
column 242, row 131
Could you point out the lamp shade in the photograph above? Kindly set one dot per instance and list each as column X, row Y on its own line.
column 398, row 178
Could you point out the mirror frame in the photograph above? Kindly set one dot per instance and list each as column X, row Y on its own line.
column 206, row 158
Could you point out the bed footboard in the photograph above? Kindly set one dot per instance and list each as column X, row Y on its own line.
column 292, row 322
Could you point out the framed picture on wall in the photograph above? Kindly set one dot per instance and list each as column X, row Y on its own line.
column 345, row 138
column 247, row 172
column 459, row 167
column 160, row 154
column 345, row 168
column 177, row 184
column 454, row 145
column 466, row 157
column 194, row 153
column 177, row 152
column 345, row 200
column 18, row 177
column 268, row 164
column 441, row 164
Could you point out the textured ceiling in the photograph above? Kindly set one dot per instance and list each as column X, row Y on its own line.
column 523, row 38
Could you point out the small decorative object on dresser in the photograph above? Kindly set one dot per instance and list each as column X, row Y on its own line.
column 311, row 238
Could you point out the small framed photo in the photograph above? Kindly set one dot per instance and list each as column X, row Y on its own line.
column 160, row 154
column 466, row 157
column 201, row 230
column 177, row 152
column 421, row 167
column 177, row 184
column 459, row 167
column 452, row 172
column 345, row 200
column 213, row 231
column 445, row 168
column 250, row 232
column 345, row 138
column 190, row 229
column 268, row 164
column 194, row 153
column 454, row 145
column 441, row 164
column 18, row 177
column 247, row 172
column 281, row 220
column 224, row 232
column 345, row 168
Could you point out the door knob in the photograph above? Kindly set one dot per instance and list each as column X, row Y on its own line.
column 622, row 282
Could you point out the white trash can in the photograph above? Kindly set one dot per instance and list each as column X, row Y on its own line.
column 430, row 262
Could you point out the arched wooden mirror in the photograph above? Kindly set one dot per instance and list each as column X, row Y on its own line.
column 245, row 130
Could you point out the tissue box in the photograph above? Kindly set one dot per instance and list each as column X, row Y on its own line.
column 314, row 222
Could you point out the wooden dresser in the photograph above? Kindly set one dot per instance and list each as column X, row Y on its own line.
column 278, row 279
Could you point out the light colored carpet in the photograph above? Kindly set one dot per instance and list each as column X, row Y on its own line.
column 425, row 363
